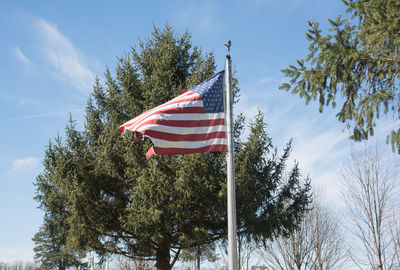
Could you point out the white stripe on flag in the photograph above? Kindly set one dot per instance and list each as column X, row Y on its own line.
column 183, row 130
column 187, row 144
column 177, row 116
column 139, row 119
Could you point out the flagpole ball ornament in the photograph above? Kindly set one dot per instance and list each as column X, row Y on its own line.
column 228, row 46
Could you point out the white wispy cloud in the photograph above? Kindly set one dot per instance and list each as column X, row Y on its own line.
column 67, row 62
column 314, row 148
column 16, row 51
column 28, row 101
column 320, row 143
column 267, row 79
column 39, row 115
column 24, row 164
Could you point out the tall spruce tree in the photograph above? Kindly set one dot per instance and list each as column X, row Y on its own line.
column 51, row 240
column 50, row 247
column 356, row 64
column 119, row 202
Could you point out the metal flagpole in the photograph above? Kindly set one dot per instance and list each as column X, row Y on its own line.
column 232, row 249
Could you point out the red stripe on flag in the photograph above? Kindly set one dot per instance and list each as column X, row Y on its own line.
column 179, row 137
column 181, row 110
column 179, row 99
column 185, row 123
column 150, row 152
column 184, row 114
column 177, row 151
column 185, row 97
column 140, row 122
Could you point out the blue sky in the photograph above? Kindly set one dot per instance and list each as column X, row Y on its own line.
column 51, row 52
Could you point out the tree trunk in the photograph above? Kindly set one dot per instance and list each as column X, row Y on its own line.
column 198, row 257
column 380, row 266
column 61, row 265
column 163, row 256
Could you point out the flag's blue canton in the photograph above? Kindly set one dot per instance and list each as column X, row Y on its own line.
column 211, row 91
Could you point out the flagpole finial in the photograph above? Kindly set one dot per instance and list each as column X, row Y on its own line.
column 228, row 46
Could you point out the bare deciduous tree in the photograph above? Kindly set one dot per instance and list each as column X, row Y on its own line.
column 124, row 263
column 370, row 193
column 316, row 244
column 395, row 234
column 198, row 254
column 18, row 265
column 246, row 249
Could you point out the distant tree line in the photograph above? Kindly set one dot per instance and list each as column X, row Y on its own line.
column 19, row 265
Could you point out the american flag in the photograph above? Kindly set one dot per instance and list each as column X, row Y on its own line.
column 193, row 122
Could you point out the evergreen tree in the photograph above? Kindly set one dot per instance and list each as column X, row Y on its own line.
column 119, row 202
column 356, row 64
column 50, row 249
column 50, row 241
column 198, row 254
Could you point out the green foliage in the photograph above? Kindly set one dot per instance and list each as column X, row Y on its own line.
column 50, row 241
column 50, row 249
column 356, row 64
column 268, row 201
column 199, row 254
column 119, row 202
